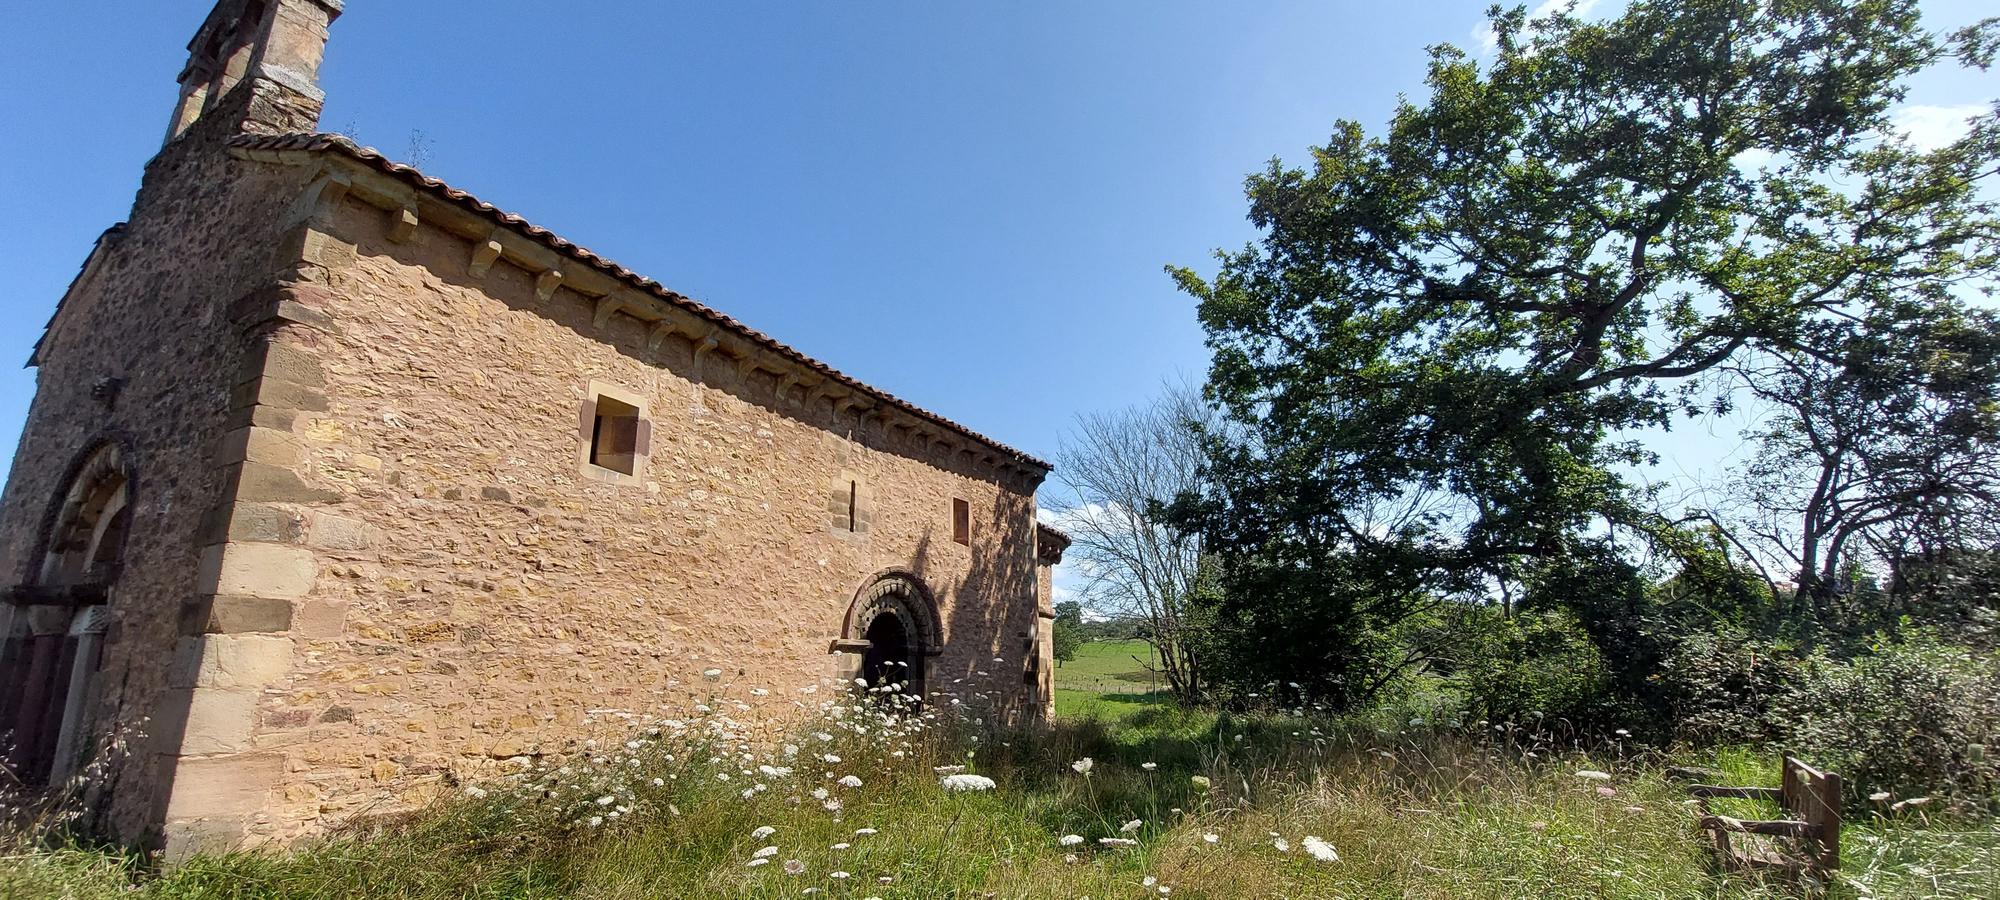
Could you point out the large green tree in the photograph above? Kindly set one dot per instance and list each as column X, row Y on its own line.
column 1445, row 343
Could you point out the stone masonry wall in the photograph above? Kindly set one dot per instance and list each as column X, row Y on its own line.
column 154, row 312
column 475, row 590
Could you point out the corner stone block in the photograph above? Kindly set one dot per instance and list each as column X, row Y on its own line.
column 221, row 789
column 256, row 522
column 319, row 620
column 278, row 362
column 259, row 570
column 333, row 532
column 218, row 721
column 264, row 445
column 268, row 483
column 245, row 615
column 245, row 661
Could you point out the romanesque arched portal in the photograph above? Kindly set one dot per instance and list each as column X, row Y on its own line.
column 54, row 630
column 891, row 631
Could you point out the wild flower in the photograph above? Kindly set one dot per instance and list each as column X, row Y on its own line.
column 947, row 770
column 842, row 845
column 762, row 832
column 795, row 867
column 754, row 863
column 1283, row 845
column 1117, row 842
column 1083, row 766
column 1149, row 766
column 1069, row 858
column 1131, row 827
column 1070, row 840
column 763, row 852
column 1593, row 775
column 962, row 782
column 1319, row 849
column 838, row 876
column 849, row 781
column 864, row 831
column 1200, row 782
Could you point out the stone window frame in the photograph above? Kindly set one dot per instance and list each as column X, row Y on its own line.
column 587, row 420
column 961, row 521
column 850, row 506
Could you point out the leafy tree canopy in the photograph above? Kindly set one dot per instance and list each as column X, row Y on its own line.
column 1480, row 306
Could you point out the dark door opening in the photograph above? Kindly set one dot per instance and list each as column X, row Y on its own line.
column 887, row 660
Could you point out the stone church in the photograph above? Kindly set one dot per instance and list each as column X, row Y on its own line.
column 340, row 484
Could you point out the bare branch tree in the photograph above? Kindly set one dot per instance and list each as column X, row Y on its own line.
column 1121, row 468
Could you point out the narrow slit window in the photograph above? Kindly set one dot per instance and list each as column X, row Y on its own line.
column 961, row 521
column 853, row 501
column 616, row 435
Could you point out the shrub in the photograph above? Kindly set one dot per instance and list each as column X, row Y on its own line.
column 1722, row 687
column 1913, row 716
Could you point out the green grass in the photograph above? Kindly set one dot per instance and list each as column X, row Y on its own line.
column 1108, row 680
column 1416, row 814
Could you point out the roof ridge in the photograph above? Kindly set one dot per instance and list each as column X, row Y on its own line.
column 324, row 142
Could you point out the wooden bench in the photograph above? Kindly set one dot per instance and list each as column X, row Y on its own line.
column 1807, row 841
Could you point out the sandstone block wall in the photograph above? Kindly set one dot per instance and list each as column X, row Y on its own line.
column 462, row 588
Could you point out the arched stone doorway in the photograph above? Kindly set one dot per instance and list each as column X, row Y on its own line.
column 892, row 631
column 55, row 626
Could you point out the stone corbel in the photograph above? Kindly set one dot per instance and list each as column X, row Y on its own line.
column 546, row 284
column 703, row 349
column 745, row 365
column 607, row 305
column 403, row 224
column 785, row 385
column 483, row 255
column 661, row 331
column 819, row 391
column 331, row 189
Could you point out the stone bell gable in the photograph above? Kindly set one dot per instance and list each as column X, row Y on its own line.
column 341, row 484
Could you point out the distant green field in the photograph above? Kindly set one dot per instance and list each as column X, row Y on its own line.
column 1108, row 679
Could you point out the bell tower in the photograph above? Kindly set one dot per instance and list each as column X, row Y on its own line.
column 269, row 48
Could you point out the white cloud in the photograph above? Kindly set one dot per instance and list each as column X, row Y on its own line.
column 1484, row 38
column 1930, row 127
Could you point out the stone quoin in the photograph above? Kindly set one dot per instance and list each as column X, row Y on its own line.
column 341, row 485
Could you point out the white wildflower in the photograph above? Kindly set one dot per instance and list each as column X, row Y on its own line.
column 1083, row 766
column 1319, row 849
column 966, row 783
column 1070, row 840
column 1593, row 775
column 1130, row 827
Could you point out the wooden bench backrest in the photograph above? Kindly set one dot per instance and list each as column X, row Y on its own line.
column 1814, row 797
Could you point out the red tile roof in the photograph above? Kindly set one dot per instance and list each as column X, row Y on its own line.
column 333, row 143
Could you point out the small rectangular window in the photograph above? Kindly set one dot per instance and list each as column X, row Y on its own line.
column 961, row 521
column 615, row 436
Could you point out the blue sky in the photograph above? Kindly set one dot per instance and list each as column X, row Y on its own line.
column 968, row 205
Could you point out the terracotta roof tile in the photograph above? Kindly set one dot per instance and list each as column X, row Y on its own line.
column 333, row 143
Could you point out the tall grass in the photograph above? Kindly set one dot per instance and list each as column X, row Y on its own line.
column 1411, row 812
